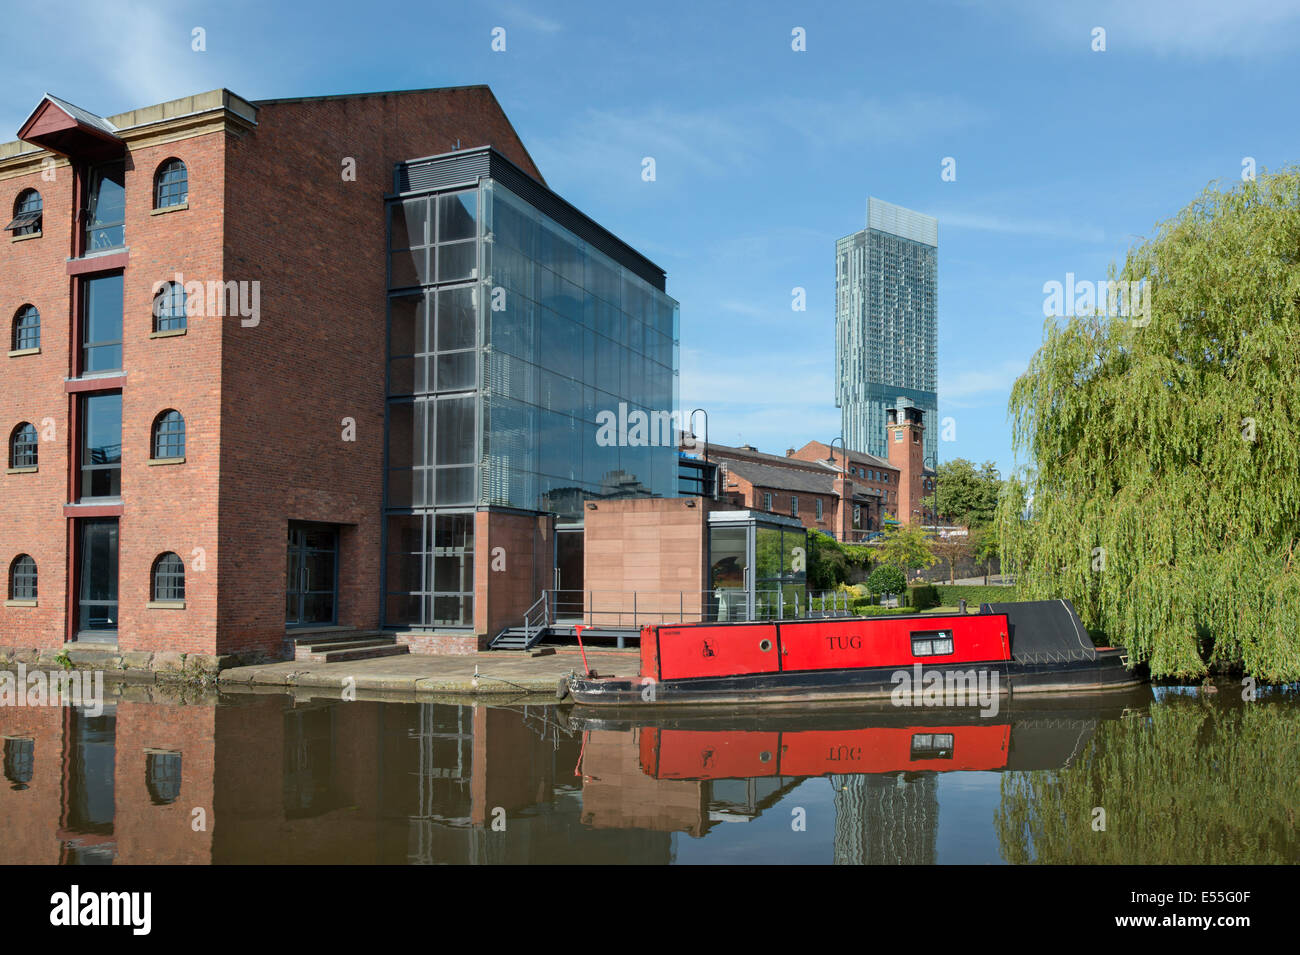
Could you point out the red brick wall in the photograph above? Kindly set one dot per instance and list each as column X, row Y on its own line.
column 317, row 245
column 164, row 835
column 33, row 271
column 171, row 507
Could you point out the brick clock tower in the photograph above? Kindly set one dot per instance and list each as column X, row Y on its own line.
column 905, row 432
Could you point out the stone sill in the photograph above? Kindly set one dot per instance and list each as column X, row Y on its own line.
column 19, row 352
column 24, row 238
column 181, row 207
column 161, row 462
column 168, row 333
column 165, row 605
column 21, row 470
column 20, row 603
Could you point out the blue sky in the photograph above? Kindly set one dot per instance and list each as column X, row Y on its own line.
column 765, row 156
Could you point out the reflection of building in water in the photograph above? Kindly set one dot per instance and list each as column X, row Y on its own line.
column 889, row 819
column 305, row 782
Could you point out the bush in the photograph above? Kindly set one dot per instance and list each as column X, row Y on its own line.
column 886, row 580
column 869, row 610
column 974, row 595
column 923, row 596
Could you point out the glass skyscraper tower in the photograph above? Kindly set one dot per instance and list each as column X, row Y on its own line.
column 886, row 325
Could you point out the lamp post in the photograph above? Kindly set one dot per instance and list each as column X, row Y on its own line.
column 844, row 468
column 691, row 424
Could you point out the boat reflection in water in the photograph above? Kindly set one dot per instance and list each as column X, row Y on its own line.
column 263, row 778
column 691, row 771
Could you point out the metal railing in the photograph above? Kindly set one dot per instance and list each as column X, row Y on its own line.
column 637, row 608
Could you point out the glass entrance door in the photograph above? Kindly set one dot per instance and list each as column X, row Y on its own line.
column 97, row 596
column 311, row 579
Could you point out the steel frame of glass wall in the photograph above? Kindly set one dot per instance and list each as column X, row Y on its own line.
column 751, row 564
column 513, row 322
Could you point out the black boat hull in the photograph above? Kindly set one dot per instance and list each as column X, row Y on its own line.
column 974, row 682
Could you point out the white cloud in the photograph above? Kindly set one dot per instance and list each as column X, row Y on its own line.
column 1049, row 228
column 1203, row 29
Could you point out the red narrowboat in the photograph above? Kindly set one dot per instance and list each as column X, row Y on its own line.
column 962, row 660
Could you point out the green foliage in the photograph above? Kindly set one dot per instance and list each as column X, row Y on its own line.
column 1193, row 784
column 1166, row 483
column 984, row 546
column 973, row 595
column 922, row 596
column 864, row 609
column 63, row 660
column 830, row 562
column 967, row 494
column 905, row 547
column 886, row 579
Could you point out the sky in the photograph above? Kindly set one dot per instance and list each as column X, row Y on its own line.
column 1065, row 155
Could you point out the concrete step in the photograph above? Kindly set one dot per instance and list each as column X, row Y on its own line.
column 361, row 653
column 345, row 644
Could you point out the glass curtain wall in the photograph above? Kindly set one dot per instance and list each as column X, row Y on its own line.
column 508, row 336
column 432, row 410
column 569, row 334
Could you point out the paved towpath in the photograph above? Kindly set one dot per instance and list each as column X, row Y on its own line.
column 499, row 673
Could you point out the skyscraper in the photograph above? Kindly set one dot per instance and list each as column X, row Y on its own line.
column 886, row 325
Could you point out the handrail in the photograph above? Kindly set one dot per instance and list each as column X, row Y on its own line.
column 634, row 608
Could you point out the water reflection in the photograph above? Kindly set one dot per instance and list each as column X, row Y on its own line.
column 269, row 779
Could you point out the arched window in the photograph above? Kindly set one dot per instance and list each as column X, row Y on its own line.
column 27, row 328
column 22, row 578
column 22, row 446
column 20, row 760
column 28, row 208
column 168, row 577
column 169, row 435
column 171, row 185
column 169, row 308
column 162, row 776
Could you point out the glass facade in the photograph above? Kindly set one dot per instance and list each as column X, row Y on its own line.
column 509, row 335
column 571, row 338
column 886, row 325
column 752, row 568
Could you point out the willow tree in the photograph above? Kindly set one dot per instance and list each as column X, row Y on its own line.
column 1164, row 493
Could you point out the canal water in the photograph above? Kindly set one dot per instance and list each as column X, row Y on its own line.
column 1161, row 775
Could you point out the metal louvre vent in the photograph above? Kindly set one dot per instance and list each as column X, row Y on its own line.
column 443, row 173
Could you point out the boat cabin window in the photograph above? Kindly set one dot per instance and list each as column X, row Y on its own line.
column 931, row 643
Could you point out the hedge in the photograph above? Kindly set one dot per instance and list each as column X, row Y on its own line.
column 974, row 595
column 923, row 596
column 864, row 609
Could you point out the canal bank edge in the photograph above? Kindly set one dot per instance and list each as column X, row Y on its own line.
column 474, row 675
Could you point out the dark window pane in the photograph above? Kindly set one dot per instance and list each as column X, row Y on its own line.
column 98, row 601
column 454, row 431
column 409, row 224
column 22, row 578
column 457, row 261
column 107, row 208
column 162, row 772
column 102, row 333
column 171, row 185
column 27, row 328
column 455, row 486
column 457, row 215
column 457, row 327
column 456, row 371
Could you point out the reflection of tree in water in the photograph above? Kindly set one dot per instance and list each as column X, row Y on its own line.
column 1192, row 783
column 888, row 819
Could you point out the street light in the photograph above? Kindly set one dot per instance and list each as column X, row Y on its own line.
column 844, row 469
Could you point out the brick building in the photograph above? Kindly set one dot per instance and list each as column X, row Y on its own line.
column 258, row 377
column 848, row 496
